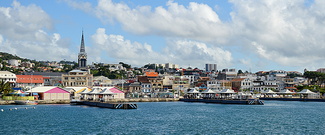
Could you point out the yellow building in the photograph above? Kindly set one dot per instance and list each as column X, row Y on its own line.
column 77, row 78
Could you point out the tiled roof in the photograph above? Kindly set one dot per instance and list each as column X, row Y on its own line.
column 152, row 74
column 29, row 79
column 143, row 79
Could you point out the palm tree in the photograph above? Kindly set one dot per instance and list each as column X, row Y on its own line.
column 5, row 88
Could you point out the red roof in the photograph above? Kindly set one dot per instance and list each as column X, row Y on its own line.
column 290, row 87
column 30, row 79
column 152, row 74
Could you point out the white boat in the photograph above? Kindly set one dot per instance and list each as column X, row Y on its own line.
column 25, row 102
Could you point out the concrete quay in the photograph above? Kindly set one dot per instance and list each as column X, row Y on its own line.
column 144, row 100
column 11, row 102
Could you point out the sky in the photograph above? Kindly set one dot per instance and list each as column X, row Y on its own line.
column 251, row 35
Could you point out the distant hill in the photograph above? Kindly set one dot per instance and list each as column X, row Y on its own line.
column 8, row 56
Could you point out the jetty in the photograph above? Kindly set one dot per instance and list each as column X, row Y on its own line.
column 226, row 101
column 105, row 104
column 296, row 99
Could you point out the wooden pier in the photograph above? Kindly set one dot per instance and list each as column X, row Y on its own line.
column 224, row 101
column 106, row 105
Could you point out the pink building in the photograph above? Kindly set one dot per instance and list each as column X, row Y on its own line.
column 50, row 93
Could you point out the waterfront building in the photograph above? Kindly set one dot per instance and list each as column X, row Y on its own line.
column 75, row 92
column 29, row 81
column 241, row 84
column 77, row 78
column 259, row 86
column 82, row 56
column 6, row 76
column 50, row 93
column 50, row 78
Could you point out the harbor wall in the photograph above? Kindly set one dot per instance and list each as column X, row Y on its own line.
column 8, row 102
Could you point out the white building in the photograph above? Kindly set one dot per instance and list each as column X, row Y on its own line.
column 14, row 62
column 7, row 76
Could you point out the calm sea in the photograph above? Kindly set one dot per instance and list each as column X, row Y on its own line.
column 275, row 117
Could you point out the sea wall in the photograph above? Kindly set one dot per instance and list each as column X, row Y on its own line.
column 144, row 100
column 3, row 102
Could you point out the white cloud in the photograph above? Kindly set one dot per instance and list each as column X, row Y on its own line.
column 183, row 52
column 196, row 21
column 115, row 46
column 23, row 32
column 286, row 32
column 187, row 52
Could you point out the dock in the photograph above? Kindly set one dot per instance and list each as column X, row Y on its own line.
column 224, row 101
column 106, row 104
column 296, row 99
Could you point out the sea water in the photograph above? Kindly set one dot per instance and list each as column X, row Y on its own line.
column 275, row 117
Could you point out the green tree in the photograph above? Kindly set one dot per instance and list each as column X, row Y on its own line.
column 315, row 78
column 125, row 65
column 5, row 88
column 240, row 72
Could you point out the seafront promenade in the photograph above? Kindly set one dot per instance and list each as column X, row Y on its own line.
column 4, row 102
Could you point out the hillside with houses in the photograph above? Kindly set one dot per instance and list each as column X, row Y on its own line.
column 152, row 80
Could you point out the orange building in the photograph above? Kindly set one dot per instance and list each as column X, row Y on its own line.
column 29, row 80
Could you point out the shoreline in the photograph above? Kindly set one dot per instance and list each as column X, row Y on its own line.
column 12, row 102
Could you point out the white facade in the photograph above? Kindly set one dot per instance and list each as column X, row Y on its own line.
column 14, row 62
column 191, row 78
column 7, row 76
column 146, row 87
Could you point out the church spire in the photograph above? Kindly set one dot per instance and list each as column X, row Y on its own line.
column 82, row 46
column 82, row 56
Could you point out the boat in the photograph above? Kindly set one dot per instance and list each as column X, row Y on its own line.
column 25, row 102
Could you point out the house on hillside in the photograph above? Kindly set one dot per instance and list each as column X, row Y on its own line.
column 155, row 80
column 145, row 84
column 102, row 81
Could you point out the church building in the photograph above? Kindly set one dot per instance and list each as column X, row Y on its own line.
column 82, row 56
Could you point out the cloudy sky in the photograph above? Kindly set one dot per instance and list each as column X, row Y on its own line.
column 243, row 34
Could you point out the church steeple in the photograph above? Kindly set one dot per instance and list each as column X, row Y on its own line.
column 82, row 46
column 82, row 56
